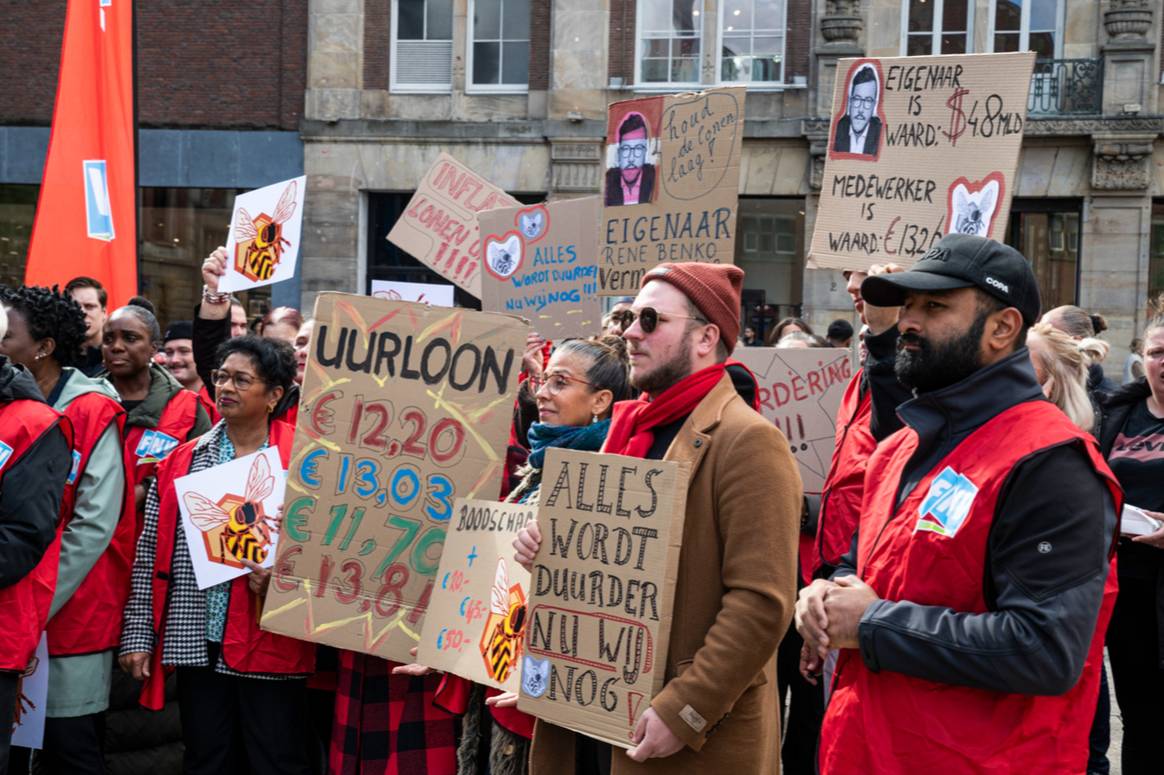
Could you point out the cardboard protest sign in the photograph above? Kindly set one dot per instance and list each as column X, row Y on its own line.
column 439, row 228
column 437, row 295
column 28, row 722
column 541, row 263
column 262, row 245
column 229, row 512
column 919, row 147
column 476, row 615
column 672, row 183
column 800, row 391
column 602, row 588
column 404, row 408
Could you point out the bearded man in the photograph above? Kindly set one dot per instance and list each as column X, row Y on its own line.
column 717, row 711
column 971, row 609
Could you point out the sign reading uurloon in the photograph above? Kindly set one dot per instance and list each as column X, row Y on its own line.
column 404, row 408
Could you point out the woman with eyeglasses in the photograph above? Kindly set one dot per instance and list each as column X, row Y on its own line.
column 239, row 688
column 575, row 395
column 160, row 413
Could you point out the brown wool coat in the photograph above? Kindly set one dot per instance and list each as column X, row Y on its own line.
column 733, row 600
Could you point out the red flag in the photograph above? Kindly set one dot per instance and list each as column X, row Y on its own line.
column 86, row 219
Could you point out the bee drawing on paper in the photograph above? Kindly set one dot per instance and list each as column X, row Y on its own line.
column 245, row 528
column 973, row 212
column 259, row 241
column 501, row 640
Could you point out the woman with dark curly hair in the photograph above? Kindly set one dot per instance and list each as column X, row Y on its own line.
column 239, row 687
column 46, row 333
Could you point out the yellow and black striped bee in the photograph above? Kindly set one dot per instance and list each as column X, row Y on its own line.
column 245, row 531
column 501, row 640
column 259, row 242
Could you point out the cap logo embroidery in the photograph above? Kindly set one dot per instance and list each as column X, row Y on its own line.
column 937, row 253
column 998, row 284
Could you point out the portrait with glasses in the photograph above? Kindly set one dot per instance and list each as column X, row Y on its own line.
column 631, row 160
column 858, row 129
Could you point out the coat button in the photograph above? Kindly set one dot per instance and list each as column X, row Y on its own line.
column 698, row 443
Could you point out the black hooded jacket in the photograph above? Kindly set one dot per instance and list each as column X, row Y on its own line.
column 32, row 487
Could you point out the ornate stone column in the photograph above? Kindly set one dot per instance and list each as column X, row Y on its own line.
column 1129, row 76
column 841, row 26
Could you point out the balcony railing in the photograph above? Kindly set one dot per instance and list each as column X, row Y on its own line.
column 1066, row 87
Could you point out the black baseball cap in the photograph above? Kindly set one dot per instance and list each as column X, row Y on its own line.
column 179, row 329
column 962, row 261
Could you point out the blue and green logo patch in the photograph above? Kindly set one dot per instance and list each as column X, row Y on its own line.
column 947, row 504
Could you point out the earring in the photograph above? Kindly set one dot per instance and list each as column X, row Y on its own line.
column 270, row 410
column 594, row 419
column 39, row 356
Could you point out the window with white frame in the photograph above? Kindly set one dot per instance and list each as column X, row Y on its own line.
column 422, row 45
column 937, row 27
column 1027, row 25
column 499, row 53
column 669, row 41
column 752, row 34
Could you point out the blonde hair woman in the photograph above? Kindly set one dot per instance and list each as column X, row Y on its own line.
column 1061, row 365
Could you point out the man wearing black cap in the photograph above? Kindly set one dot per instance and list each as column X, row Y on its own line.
column 177, row 347
column 971, row 609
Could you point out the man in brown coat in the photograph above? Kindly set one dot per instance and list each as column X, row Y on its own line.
column 717, row 712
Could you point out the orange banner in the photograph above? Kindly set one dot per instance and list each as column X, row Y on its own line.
column 86, row 219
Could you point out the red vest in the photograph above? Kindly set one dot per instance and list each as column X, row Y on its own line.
column 146, row 447
column 91, row 621
column 245, row 648
column 24, row 606
column 840, row 505
column 894, row 723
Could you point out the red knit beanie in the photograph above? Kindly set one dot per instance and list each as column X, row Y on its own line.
column 714, row 289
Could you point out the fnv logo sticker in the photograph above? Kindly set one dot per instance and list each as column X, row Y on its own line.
column 155, row 444
column 947, row 504
column 75, row 469
column 5, row 453
column 98, row 214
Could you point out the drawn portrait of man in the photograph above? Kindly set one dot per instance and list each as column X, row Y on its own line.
column 859, row 130
column 632, row 181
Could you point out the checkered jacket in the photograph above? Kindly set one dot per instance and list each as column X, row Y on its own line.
column 185, row 623
column 387, row 724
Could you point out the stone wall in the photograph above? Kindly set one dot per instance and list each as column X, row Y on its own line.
column 200, row 64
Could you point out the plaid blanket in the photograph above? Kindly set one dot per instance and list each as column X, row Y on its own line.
column 388, row 725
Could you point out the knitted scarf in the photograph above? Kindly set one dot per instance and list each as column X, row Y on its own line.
column 633, row 423
column 542, row 436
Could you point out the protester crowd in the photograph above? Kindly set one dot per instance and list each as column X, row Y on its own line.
column 943, row 604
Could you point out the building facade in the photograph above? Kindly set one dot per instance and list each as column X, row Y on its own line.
column 219, row 101
column 517, row 89
column 363, row 94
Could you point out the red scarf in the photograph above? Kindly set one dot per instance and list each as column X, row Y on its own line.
column 633, row 422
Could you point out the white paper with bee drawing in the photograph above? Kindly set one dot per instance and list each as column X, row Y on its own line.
column 263, row 243
column 229, row 512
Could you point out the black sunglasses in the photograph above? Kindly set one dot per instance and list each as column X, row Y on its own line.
column 649, row 318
